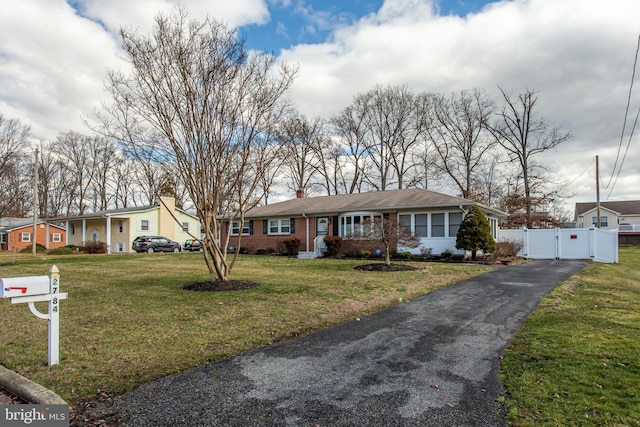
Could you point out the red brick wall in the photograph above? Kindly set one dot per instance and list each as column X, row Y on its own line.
column 14, row 238
column 259, row 240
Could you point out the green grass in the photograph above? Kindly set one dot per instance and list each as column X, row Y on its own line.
column 128, row 321
column 576, row 360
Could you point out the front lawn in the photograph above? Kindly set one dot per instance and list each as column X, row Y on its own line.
column 576, row 360
column 128, row 320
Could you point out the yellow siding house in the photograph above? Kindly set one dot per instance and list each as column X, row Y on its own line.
column 119, row 227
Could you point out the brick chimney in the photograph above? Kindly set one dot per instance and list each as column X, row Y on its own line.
column 300, row 193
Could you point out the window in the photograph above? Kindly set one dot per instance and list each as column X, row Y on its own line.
column 280, row 226
column 56, row 237
column 235, row 228
column 185, row 227
column 119, row 247
column 455, row 219
column 73, row 228
column 405, row 221
column 25, row 237
column 120, row 226
column 144, row 225
column 3, row 237
column 604, row 221
column 94, row 235
column 352, row 224
column 437, row 225
column 421, row 225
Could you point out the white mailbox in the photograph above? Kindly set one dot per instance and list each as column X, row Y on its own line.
column 24, row 286
column 33, row 289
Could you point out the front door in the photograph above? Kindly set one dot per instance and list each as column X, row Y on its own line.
column 322, row 230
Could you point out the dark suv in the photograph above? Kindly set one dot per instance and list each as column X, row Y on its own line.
column 192, row 245
column 155, row 244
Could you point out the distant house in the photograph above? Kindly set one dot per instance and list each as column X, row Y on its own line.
column 435, row 217
column 17, row 233
column 623, row 215
column 119, row 227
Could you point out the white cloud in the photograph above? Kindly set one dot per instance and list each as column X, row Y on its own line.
column 53, row 58
column 577, row 53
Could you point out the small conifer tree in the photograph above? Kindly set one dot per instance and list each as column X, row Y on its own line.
column 475, row 233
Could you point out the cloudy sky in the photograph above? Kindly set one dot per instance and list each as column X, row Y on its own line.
column 578, row 54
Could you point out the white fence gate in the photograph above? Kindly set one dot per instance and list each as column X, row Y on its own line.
column 565, row 243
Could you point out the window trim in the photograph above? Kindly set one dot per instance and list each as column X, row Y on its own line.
column 23, row 235
column 279, row 227
column 234, row 228
column 604, row 220
column 348, row 221
column 56, row 237
column 453, row 225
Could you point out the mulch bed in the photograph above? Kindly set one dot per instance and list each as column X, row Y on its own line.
column 221, row 286
column 385, row 267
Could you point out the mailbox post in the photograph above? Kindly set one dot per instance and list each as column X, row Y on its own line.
column 33, row 289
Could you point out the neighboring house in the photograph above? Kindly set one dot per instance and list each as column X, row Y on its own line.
column 624, row 215
column 435, row 217
column 17, row 233
column 119, row 227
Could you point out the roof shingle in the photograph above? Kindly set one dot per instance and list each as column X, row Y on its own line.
column 371, row 201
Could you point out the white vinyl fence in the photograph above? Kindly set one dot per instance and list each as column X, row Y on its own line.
column 565, row 243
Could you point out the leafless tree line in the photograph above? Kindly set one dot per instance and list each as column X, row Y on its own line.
column 392, row 138
column 387, row 138
column 77, row 173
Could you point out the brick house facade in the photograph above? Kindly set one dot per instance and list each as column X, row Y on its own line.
column 433, row 216
column 19, row 235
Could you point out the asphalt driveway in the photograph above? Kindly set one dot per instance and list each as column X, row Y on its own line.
column 434, row 361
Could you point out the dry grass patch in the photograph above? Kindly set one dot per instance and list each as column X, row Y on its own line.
column 576, row 359
column 128, row 320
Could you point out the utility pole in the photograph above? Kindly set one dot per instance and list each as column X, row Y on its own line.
column 597, row 192
column 35, row 206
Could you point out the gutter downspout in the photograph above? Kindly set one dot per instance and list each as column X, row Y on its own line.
column 307, row 233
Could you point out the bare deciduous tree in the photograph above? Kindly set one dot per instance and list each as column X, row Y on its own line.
column 14, row 140
column 351, row 130
column 385, row 232
column 298, row 136
column 382, row 126
column 460, row 136
column 79, row 158
column 214, row 104
column 523, row 136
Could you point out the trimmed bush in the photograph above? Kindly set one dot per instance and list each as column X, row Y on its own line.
column 61, row 251
column 39, row 249
column 98, row 247
column 333, row 245
column 292, row 245
column 507, row 249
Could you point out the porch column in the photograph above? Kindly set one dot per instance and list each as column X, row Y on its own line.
column 84, row 231
column 47, row 237
column 66, row 235
column 108, row 231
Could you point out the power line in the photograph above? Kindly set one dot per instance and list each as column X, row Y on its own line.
column 581, row 173
column 624, row 124
column 625, row 153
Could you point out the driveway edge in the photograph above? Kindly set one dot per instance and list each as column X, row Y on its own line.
column 27, row 389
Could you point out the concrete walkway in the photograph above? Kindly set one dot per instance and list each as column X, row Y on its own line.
column 434, row 361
